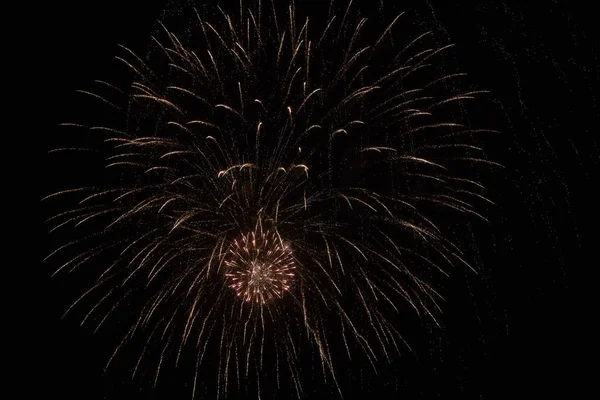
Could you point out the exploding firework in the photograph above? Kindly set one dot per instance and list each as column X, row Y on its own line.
column 267, row 180
column 260, row 267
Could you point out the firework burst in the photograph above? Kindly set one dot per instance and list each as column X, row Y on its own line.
column 265, row 181
column 260, row 267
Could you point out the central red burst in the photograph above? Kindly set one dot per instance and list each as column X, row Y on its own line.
column 260, row 266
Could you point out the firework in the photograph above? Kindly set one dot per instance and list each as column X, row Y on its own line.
column 260, row 267
column 266, row 181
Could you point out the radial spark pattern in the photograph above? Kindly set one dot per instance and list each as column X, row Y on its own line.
column 260, row 267
column 338, row 141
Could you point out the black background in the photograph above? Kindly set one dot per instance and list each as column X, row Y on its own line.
column 513, row 332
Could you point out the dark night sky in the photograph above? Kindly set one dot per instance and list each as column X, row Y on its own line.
column 514, row 333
